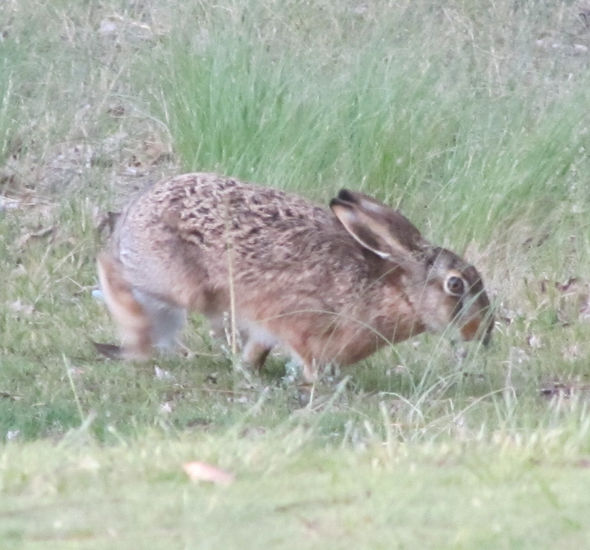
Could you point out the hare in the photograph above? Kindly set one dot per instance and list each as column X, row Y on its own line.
column 328, row 286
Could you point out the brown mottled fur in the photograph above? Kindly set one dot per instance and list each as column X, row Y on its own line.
column 327, row 286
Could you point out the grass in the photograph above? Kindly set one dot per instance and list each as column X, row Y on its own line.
column 471, row 117
column 303, row 496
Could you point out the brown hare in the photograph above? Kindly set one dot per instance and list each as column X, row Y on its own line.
column 327, row 286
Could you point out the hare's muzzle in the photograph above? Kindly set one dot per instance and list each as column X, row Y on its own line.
column 480, row 326
column 478, row 319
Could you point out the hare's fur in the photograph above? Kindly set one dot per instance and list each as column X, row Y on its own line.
column 325, row 285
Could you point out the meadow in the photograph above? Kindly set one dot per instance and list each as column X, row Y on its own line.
column 471, row 117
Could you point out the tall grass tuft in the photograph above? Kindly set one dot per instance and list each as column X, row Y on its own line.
column 470, row 127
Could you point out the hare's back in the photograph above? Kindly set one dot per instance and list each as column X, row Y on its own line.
column 215, row 206
column 195, row 226
column 215, row 212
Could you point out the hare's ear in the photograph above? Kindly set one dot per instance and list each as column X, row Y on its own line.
column 378, row 228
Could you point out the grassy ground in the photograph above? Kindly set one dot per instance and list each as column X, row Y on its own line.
column 472, row 117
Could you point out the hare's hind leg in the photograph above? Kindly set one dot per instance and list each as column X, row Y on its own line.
column 133, row 320
column 144, row 321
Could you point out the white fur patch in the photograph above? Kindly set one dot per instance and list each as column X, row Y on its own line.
column 167, row 320
column 258, row 334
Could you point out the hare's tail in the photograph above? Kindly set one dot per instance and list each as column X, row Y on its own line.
column 131, row 316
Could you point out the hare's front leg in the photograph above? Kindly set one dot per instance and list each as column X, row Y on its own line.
column 255, row 353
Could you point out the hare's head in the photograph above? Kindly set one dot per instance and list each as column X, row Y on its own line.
column 443, row 289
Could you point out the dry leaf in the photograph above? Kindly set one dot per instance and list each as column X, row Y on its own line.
column 557, row 388
column 162, row 374
column 18, row 307
column 41, row 233
column 574, row 299
column 156, row 152
column 11, row 435
column 115, row 25
column 571, row 352
column 77, row 371
column 11, row 396
column 534, row 341
column 109, row 350
column 107, row 27
column 116, row 111
column 201, row 471
column 212, row 377
column 7, row 203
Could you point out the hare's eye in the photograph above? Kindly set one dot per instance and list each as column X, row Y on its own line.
column 455, row 285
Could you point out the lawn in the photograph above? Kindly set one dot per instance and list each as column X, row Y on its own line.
column 471, row 117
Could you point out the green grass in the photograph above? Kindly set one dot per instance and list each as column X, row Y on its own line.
column 290, row 494
column 470, row 116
